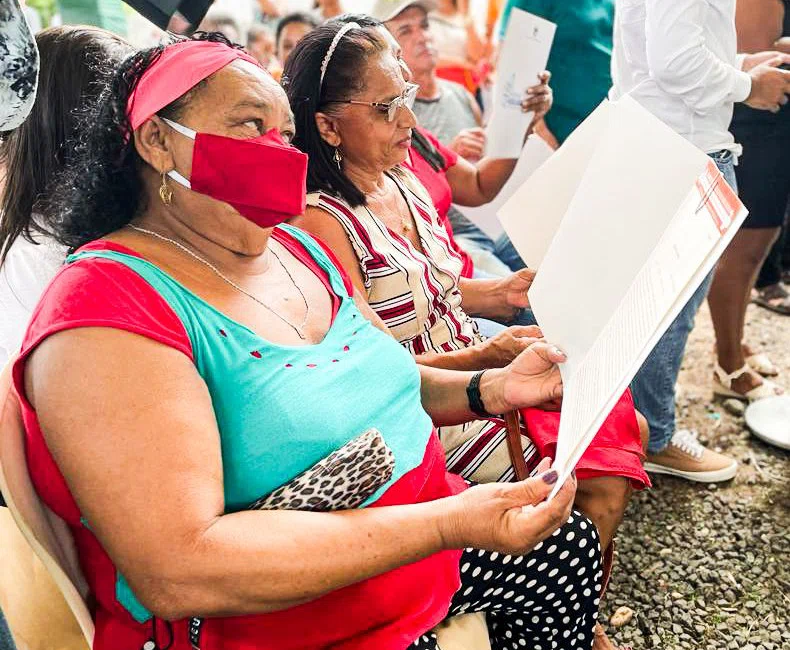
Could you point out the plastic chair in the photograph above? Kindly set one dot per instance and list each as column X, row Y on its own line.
column 47, row 534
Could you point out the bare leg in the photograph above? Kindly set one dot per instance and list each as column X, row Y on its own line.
column 729, row 297
column 644, row 430
column 604, row 501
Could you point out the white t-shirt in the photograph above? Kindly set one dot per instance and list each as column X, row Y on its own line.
column 25, row 274
column 678, row 59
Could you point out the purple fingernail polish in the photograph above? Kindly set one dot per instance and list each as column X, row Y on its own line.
column 550, row 477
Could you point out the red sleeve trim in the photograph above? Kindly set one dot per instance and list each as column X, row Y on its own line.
column 347, row 283
column 30, row 345
column 105, row 245
column 104, row 293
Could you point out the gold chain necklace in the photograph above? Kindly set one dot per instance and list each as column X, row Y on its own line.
column 299, row 329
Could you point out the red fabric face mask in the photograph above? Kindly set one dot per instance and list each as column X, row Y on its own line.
column 264, row 178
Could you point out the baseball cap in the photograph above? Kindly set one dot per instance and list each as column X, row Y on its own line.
column 385, row 10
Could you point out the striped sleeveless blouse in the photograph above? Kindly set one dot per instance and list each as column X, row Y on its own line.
column 417, row 295
column 414, row 292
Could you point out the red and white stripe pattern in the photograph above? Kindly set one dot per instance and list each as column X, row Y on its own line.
column 415, row 292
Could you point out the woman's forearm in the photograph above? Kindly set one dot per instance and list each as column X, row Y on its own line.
column 475, row 185
column 444, row 395
column 470, row 358
column 481, row 297
column 493, row 173
column 262, row 561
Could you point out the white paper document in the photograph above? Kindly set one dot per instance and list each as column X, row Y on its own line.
column 524, row 55
column 535, row 152
column 634, row 219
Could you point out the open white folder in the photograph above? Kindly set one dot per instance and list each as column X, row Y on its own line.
column 623, row 222
column 524, row 54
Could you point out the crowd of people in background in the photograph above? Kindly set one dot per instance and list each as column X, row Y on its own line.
column 136, row 225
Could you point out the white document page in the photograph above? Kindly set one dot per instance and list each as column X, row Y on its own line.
column 636, row 180
column 523, row 57
column 692, row 243
column 535, row 152
column 532, row 215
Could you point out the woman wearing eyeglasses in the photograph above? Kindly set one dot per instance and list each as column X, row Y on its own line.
column 352, row 109
column 358, row 131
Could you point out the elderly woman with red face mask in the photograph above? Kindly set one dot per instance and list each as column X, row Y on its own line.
column 244, row 458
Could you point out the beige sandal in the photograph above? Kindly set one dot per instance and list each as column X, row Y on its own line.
column 722, row 385
column 762, row 364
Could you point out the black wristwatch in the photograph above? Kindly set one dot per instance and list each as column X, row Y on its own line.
column 474, row 397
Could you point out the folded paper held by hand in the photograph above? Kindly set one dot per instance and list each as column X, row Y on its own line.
column 624, row 222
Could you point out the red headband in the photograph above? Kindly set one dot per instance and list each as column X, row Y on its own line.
column 179, row 68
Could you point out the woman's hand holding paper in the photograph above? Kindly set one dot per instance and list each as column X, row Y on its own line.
column 531, row 379
column 509, row 518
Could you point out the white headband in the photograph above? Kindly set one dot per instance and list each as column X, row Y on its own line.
column 325, row 63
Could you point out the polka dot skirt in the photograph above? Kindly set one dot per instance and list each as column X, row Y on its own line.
column 546, row 600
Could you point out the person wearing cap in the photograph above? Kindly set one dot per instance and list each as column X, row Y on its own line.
column 244, row 458
column 445, row 108
column 451, row 114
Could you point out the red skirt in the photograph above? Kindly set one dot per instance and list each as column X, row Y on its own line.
column 616, row 449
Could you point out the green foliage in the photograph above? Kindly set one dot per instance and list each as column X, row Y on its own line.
column 45, row 8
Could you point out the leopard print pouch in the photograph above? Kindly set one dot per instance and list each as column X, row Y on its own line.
column 344, row 480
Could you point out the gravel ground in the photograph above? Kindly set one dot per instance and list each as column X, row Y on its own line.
column 706, row 567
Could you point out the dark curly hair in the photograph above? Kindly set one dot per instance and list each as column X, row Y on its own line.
column 102, row 189
column 301, row 80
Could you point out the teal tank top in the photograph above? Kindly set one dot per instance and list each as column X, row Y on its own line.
column 280, row 408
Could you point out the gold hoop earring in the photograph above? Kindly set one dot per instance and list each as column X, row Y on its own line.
column 338, row 157
column 165, row 193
